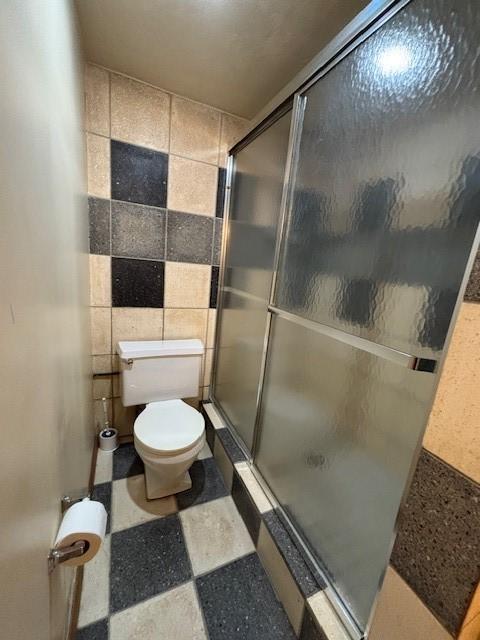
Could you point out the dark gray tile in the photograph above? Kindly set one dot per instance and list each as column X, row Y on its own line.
column 217, row 241
column 103, row 493
column 147, row 560
column 309, row 630
column 238, row 602
column 126, row 462
column 137, row 283
column 221, row 185
column 214, row 288
column 209, row 428
column 138, row 231
column 472, row 293
column 246, row 507
column 437, row 550
column 231, row 447
column 189, row 237
column 139, row 175
column 99, row 225
column 207, row 484
column 96, row 631
column 299, row 569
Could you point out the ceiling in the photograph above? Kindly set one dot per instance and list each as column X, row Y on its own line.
column 232, row 54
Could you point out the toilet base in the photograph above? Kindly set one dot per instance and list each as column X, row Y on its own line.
column 156, row 489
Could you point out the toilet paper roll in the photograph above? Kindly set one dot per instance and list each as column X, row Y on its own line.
column 85, row 520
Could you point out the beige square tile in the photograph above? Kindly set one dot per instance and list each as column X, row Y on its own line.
column 224, row 463
column 136, row 323
column 100, row 281
column 215, row 534
column 453, row 431
column 215, row 419
column 104, row 467
column 174, row 615
column 192, row 186
column 253, row 487
column 98, row 416
column 102, row 364
column 97, row 100
column 205, row 393
column 185, row 323
column 205, row 452
column 187, row 285
column 232, row 131
column 207, row 373
column 98, row 166
column 101, row 330
column 212, row 320
column 102, row 388
column 131, row 507
column 117, row 384
column 140, row 113
column 95, row 588
column 123, row 417
column 281, row 578
column 195, row 130
column 401, row 615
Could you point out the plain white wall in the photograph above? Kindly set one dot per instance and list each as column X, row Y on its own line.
column 45, row 388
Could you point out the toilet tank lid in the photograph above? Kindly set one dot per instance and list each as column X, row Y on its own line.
column 158, row 348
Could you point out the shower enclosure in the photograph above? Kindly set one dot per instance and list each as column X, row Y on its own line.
column 351, row 216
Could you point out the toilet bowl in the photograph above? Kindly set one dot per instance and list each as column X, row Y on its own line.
column 168, row 436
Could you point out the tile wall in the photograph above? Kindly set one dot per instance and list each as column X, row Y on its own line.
column 156, row 184
column 431, row 589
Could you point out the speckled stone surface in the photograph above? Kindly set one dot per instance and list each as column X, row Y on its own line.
column 214, row 288
column 309, row 630
column 231, row 447
column 138, row 231
column 437, row 551
column 138, row 174
column 221, row 184
column 146, row 560
column 103, row 493
column 126, row 462
column 96, row 631
column 209, row 430
column 99, row 225
column 230, row 598
column 246, row 507
column 207, row 484
column 189, row 237
column 217, row 241
column 472, row 293
column 137, row 283
column 291, row 554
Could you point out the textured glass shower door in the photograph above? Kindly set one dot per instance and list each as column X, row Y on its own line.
column 381, row 222
column 255, row 200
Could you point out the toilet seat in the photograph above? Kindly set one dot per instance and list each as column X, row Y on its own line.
column 168, row 428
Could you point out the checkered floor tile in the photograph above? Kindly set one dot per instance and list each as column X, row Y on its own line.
column 181, row 567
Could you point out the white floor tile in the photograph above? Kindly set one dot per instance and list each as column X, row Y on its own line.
column 205, row 452
column 215, row 534
column 94, row 602
column 103, row 470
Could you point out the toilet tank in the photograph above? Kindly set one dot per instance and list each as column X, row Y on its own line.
column 159, row 370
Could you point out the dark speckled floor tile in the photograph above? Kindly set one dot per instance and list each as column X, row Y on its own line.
column 96, row 631
column 309, row 630
column 103, row 493
column 214, row 288
column 304, row 578
column 139, row 175
column 472, row 293
column 238, row 602
column 99, row 225
column 221, row 185
column 147, row 560
column 231, row 447
column 437, row 550
column 126, row 462
column 137, row 283
column 138, row 231
column 189, row 237
column 246, row 507
column 217, row 241
column 207, row 484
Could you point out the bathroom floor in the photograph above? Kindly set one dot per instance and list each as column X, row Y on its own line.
column 180, row 568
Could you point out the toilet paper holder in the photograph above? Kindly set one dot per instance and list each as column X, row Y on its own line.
column 57, row 556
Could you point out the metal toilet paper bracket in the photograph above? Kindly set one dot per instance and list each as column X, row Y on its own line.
column 57, row 556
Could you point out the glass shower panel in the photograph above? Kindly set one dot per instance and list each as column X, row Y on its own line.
column 252, row 230
column 339, row 429
column 385, row 203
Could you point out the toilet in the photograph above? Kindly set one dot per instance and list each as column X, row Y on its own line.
column 168, row 433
